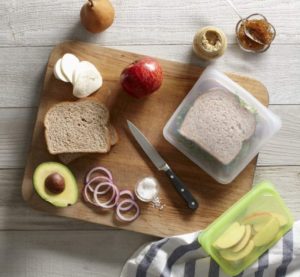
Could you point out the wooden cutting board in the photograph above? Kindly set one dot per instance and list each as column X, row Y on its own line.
column 126, row 161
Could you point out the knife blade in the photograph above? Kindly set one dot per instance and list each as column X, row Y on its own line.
column 161, row 164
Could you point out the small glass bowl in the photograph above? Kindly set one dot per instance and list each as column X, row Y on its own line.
column 140, row 197
column 264, row 47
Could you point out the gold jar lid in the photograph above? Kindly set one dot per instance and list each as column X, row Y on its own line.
column 209, row 43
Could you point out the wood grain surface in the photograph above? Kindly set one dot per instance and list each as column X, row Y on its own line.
column 139, row 22
column 151, row 115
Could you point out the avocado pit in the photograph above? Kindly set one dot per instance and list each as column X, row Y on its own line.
column 55, row 183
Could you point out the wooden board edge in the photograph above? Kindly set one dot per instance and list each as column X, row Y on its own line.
column 258, row 83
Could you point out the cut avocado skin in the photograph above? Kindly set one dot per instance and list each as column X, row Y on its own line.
column 70, row 194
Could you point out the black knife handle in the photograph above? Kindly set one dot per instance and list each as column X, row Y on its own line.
column 182, row 189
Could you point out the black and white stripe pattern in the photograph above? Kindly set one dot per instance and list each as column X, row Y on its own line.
column 262, row 264
column 176, row 254
column 214, row 269
column 182, row 256
column 148, row 258
column 189, row 268
column 287, row 253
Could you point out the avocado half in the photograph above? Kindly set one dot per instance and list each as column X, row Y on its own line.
column 68, row 196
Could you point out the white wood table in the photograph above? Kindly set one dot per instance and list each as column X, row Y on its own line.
column 35, row 244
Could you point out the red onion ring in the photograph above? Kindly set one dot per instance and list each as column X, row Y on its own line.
column 89, row 187
column 106, row 179
column 102, row 184
column 86, row 195
column 127, row 219
column 97, row 192
column 130, row 194
column 95, row 169
column 127, row 192
column 114, row 198
column 110, row 186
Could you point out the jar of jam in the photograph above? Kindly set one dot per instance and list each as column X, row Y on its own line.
column 255, row 33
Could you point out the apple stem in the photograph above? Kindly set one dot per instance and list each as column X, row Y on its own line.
column 91, row 3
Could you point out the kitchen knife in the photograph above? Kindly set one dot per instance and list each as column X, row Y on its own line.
column 160, row 164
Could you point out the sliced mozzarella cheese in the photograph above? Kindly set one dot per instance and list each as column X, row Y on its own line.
column 86, row 79
column 68, row 65
column 58, row 73
column 81, row 67
column 76, row 71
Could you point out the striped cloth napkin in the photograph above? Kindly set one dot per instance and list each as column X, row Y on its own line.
column 182, row 256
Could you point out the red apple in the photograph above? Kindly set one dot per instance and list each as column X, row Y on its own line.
column 142, row 77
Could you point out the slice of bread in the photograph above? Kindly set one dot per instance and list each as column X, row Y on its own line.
column 114, row 138
column 219, row 124
column 67, row 158
column 82, row 126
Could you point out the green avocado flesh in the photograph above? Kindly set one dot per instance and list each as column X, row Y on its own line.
column 69, row 195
